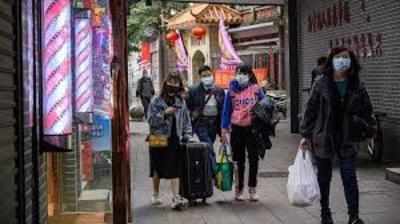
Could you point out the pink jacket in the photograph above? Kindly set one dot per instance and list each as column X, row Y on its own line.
column 242, row 103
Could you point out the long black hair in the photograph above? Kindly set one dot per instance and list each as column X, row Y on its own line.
column 247, row 69
column 353, row 75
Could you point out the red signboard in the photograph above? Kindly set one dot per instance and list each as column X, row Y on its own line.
column 145, row 53
column 224, row 77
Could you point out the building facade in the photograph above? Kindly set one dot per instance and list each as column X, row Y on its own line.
column 259, row 42
column 372, row 30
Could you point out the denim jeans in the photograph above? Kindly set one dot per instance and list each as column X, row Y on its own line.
column 349, row 180
column 206, row 130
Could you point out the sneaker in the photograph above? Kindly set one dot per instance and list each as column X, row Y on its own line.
column 156, row 200
column 253, row 194
column 239, row 196
column 355, row 220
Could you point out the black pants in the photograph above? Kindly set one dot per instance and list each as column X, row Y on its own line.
column 349, row 179
column 145, row 103
column 242, row 139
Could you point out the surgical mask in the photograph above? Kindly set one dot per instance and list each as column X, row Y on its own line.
column 341, row 64
column 208, row 82
column 242, row 79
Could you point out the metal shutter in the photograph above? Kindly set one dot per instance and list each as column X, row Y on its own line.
column 8, row 190
column 380, row 74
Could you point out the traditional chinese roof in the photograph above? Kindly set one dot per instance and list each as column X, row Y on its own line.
column 204, row 14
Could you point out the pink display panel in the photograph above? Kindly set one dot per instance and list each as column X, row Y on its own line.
column 84, row 71
column 57, row 75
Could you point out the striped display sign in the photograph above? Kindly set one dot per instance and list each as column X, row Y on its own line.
column 57, row 67
column 84, row 72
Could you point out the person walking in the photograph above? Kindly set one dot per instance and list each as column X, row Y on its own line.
column 338, row 116
column 242, row 96
column 145, row 91
column 169, row 117
column 205, row 102
column 318, row 71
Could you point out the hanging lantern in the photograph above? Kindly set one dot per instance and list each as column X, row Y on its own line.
column 198, row 32
column 172, row 36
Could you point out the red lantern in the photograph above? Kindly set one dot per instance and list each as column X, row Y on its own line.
column 172, row 36
column 199, row 32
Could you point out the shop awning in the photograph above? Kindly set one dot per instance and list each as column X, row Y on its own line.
column 252, row 31
column 204, row 14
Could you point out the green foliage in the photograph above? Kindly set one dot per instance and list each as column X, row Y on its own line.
column 142, row 17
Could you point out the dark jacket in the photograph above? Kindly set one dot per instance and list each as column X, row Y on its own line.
column 315, row 75
column 145, row 88
column 334, row 124
column 196, row 101
column 263, row 125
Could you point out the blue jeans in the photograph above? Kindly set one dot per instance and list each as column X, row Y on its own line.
column 206, row 130
column 349, row 180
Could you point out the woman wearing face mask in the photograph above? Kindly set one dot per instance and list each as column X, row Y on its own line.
column 205, row 102
column 338, row 116
column 243, row 94
column 168, row 116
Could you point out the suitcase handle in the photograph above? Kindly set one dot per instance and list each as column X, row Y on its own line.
column 197, row 170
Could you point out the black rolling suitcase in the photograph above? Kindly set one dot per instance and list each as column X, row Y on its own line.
column 196, row 182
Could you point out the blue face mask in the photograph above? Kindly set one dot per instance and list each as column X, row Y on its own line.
column 208, row 82
column 341, row 64
column 242, row 79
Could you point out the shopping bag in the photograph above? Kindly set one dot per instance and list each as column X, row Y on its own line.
column 224, row 170
column 302, row 186
column 136, row 111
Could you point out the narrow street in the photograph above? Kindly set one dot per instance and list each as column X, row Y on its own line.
column 380, row 199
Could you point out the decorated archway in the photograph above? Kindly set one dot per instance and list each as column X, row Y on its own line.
column 198, row 60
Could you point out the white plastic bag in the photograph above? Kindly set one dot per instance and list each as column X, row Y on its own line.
column 302, row 187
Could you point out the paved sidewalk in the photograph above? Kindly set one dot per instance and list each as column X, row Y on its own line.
column 380, row 199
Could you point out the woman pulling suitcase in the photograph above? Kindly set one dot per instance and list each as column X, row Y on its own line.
column 170, row 124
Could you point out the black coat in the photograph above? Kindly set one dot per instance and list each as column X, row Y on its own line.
column 196, row 101
column 336, row 124
column 145, row 88
column 263, row 125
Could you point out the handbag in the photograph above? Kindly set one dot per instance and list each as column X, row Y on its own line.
column 224, row 171
column 157, row 141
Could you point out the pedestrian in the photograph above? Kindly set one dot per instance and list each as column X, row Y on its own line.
column 205, row 102
column 169, row 117
column 337, row 118
column 145, row 91
column 242, row 96
column 318, row 71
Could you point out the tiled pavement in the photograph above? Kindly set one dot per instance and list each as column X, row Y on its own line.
column 380, row 199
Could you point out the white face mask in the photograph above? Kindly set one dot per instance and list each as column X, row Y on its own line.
column 341, row 64
column 208, row 81
column 242, row 79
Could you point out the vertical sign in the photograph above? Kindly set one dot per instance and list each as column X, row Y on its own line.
column 84, row 73
column 57, row 77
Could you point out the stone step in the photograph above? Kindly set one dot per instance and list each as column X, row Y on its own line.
column 95, row 200
column 79, row 218
column 393, row 174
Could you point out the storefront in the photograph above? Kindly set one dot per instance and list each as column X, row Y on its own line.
column 372, row 30
column 62, row 155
